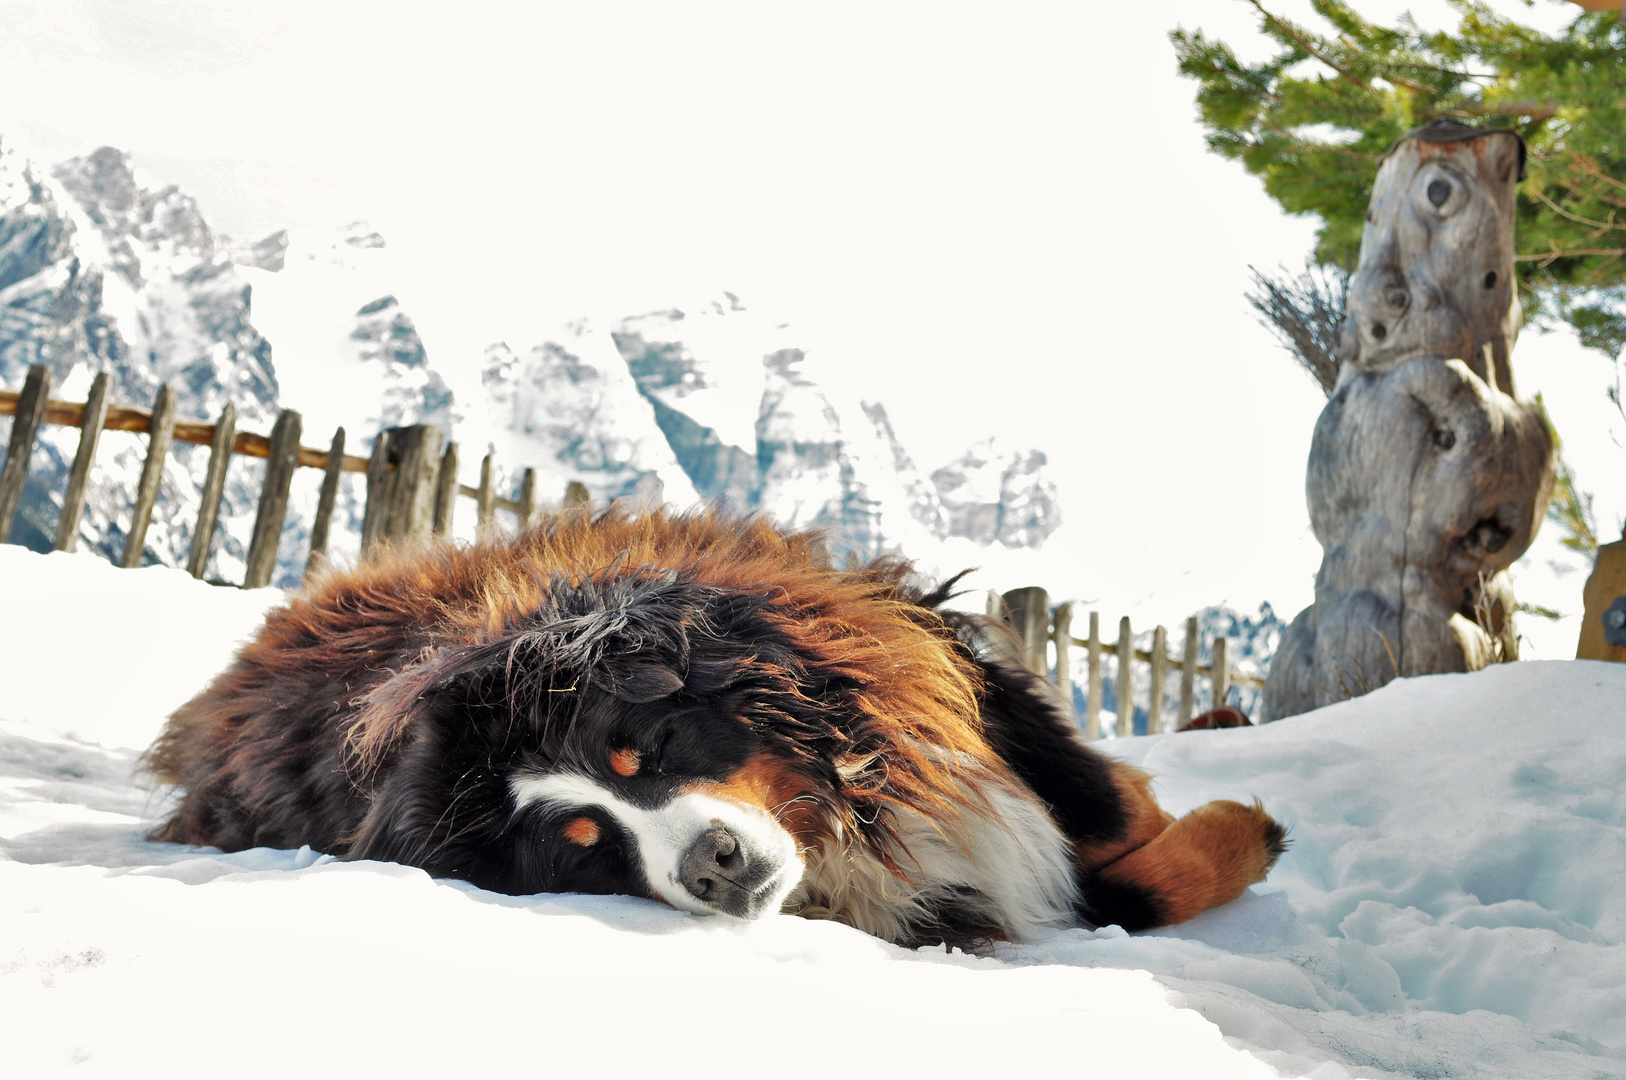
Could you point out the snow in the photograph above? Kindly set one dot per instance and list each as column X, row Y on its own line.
column 1450, row 906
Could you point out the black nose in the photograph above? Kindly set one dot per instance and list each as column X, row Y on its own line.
column 713, row 869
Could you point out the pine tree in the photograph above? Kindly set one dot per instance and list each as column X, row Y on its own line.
column 1314, row 119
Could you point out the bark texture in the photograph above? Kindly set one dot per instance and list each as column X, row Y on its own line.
column 1427, row 477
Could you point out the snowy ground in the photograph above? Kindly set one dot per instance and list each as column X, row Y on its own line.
column 1451, row 906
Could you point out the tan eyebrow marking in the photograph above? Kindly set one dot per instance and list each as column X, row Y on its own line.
column 583, row 832
column 624, row 762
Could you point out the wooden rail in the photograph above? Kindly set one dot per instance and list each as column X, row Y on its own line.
column 130, row 418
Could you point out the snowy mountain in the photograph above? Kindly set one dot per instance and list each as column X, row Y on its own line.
column 101, row 269
column 101, row 273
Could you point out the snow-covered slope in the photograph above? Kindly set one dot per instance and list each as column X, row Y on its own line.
column 1450, row 906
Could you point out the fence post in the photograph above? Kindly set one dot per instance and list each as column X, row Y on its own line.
column 214, row 482
column 378, row 489
column 1092, row 702
column 279, row 475
column 1220, row 672
column 160, row 434
column 1028, row 610
column 25, row 426
column 1125, row 703
column 1160, row 669
column 91, row 423
column 446, row 491
column 415, row 452
column 1188, row 672
column 1062, row 635
column 485, row 498
column 324, row 502
column 527, row 499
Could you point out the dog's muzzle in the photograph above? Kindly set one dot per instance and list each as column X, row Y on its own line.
column 723, row 872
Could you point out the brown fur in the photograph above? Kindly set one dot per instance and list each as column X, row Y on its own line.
column 1205, row 859
column 1147, row 820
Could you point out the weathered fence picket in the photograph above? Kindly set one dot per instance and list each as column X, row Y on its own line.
column 29, row 413
column 446, row 491
column 1092, row 703
column 1028, row 610
column 414, row 452
column 214, row 485
column 273, row 508
column 325, row 501
column 1160, row 668
column 90, row 436
column 484, row 498
column 527, row 498
column 377, row 505
column 160, row 435
column 1188, row 669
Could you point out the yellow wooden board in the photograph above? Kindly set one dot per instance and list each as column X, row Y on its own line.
column 1605, row 597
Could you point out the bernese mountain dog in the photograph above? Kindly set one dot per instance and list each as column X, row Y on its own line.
column 694, row 707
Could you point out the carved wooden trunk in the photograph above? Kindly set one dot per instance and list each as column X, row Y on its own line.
column 1427, row 477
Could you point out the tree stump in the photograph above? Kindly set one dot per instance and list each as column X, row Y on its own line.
column 1427, row 477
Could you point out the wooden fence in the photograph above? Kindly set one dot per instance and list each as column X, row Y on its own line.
column 412, row 488
column 1042, row 629
column 411, row 472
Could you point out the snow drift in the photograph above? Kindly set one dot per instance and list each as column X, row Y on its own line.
column 1450, row 905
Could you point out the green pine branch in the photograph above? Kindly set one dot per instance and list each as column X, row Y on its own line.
column 1368, row 84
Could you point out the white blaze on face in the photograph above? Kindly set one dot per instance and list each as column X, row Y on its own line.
column 665, row 834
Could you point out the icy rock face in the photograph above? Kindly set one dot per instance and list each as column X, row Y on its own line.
column 270, row 253
column 689, row 407
column 104, row 272
column 836, row 464
column 412, row 393
column 566, row 411
column 50, row 299
column 924, row 503
column 808, row 474
column 812, row 459
column 991, row 494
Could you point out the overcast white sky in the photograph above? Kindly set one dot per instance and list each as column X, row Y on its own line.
column 998, row 219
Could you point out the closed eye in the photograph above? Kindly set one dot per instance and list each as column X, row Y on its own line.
column 658, row 758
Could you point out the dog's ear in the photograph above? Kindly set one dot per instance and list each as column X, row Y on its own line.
column 631, row 644
column 641, row 680
column 643, row 657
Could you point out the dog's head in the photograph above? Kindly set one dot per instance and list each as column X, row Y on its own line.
column 635, row 734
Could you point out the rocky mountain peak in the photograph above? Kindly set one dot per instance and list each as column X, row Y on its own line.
column 268, row 253
column 133, row 219
column 991, row 493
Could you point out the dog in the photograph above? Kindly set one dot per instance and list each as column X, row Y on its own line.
column 697, row 708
